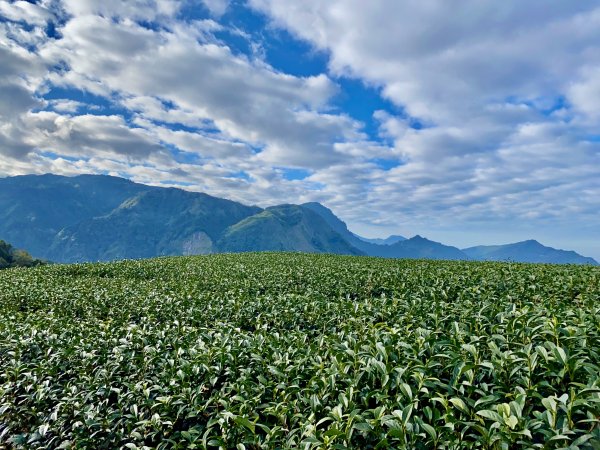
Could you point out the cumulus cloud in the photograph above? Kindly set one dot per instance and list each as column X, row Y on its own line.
column 25, row 11
column 217, row 7
column 498, row 124
column 133, row 9
column 89, row 135
column 506, row 93
column 203, row 82
column 20, row 74
column 441, row 61
column 182, row 107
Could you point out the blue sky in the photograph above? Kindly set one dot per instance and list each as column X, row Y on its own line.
column 469, row 124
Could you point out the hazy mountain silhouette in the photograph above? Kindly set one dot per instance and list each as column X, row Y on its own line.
column 530, row 251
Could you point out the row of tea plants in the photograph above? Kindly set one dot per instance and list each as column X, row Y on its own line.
column 254, row 351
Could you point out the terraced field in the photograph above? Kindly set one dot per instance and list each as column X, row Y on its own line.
column 299, row 351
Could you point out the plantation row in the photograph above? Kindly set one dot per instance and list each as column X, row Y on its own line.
column 299, row 351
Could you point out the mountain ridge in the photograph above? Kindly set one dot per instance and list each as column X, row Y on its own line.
column 415, row 247
column 285, row 228
column 100, row 218
column 528, row 251
column 390, row 240
column 161, row 222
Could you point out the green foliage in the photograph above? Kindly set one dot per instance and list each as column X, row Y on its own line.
column 284, row 228
column 11, row 257
column 256, row 351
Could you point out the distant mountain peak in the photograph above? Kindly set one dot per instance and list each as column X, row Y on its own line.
column 529, row 251
column 100, row 217
column 420, row 247
column 390, row 240
column 529, row 242
column 285, row 228
column 315, row 204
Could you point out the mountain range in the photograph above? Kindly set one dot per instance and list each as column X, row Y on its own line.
column 102, row 218
column 529, row 251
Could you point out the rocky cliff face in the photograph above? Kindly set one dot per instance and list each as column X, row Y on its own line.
column 198, row 244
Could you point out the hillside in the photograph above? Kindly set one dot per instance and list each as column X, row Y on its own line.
column 153, row 223
column 341, row 228
column 35, row 208
column 368, row 248
column 285, row 228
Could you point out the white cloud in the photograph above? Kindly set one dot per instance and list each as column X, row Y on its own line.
column 584, row 94
column 20, row 75
column 246, row 100
column 507, row 93
column 66, row 106
column 238, row 114
column 203, row 145
column 217, row 7
column 152, row 108
column 134, row 9
column 25, row 11
column 505, row 90
column 89, row 135
column 442, row 62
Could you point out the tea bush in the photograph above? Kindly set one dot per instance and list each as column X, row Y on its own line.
column 299, row 351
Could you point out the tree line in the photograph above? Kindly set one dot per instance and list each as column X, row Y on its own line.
column 12, row 257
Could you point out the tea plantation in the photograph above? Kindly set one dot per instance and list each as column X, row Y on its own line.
column 299, row 351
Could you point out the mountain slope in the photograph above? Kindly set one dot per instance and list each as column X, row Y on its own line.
column 285, row 228
column 530, row 251
column 342, row 229
column 416, row 247
column 390, row 240
column 163, row 221
column 34, row 208
column 421, row 248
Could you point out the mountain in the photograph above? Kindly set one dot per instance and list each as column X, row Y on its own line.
column 342, row 229
column 530, row 251
column 421, row 248
column 34, row 208
column 100, row 218
column 285, row 228
column 416, row 247
column 390, row 240
column 164, row 221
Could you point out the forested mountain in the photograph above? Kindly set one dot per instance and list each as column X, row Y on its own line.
column 101, row 218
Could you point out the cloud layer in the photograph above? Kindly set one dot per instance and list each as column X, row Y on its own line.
column 494, row 125
column 507, row 93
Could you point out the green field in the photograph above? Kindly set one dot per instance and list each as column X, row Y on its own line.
column 299, row 351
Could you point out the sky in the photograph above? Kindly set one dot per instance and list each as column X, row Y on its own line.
column 469, row 122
